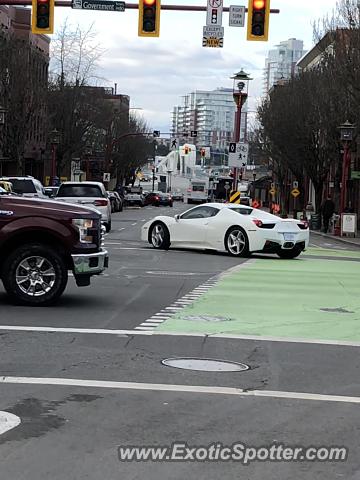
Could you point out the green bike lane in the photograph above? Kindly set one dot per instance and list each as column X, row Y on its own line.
column 307, row 298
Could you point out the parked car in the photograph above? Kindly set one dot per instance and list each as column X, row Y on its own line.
column 6, row 186
column 134, row 196
column 116, row 202
column 26, row 186
column 51, row 191
column 40, row 241
column 158, row 198
column 87, row 193
column 236, row 229
column 177, row 196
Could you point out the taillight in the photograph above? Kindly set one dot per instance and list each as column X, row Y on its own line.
column 257, row 222
column 157, row 198
column 304, row 225
column 170, row 197
column 100, row 203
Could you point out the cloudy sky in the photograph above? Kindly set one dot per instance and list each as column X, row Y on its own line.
column 155, row 72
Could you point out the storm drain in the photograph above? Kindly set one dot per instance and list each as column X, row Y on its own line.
column 205, row 364
column 336, row 310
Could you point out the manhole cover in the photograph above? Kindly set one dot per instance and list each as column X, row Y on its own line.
column 205, row 364
column 336, row 310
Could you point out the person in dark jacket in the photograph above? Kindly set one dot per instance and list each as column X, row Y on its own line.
column 327, row 210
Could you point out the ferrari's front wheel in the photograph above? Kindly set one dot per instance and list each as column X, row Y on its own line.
column 237, row 242
column 159, row 236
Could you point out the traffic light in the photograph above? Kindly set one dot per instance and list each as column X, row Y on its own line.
column 258, row 20
column 149, row 18
column 202, row 152
column 42, row 21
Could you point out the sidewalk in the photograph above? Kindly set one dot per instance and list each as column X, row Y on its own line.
column 349, row 240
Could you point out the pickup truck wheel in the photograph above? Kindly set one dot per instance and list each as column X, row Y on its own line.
column 34, row 275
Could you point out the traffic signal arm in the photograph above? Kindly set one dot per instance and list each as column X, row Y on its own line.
column 42, row 16
column 149, row 18
column 258, row 20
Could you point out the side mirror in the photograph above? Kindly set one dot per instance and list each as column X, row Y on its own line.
column 177, row 217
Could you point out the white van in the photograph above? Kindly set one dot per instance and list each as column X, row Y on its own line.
column 197, row 191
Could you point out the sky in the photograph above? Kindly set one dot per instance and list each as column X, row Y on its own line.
column 156, row 72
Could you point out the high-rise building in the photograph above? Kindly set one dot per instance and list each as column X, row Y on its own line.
column 211, row 114
column 280, row 63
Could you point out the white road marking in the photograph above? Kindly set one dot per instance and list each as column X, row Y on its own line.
column 123, row 228
column 151, row 324
column 8, row 421
column 101, row 331
column 149, row 329
column 162, row 387
column 134, row 223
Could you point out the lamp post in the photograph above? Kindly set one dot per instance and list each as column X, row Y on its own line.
column 54, row 140
column 240, row 95
column 169, row 172
column 346, row 136
column 254, row 177
column 3, row 112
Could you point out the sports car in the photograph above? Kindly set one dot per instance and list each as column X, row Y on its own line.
column 236, row 229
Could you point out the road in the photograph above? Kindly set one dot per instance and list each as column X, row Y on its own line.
column 85, row 376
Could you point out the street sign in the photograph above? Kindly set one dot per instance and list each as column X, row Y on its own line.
column 106, row 177
column 295, row 192
column 272, row 191
column 239, row 157
column 236, row 16
column 214, row 12
column 295, row 184
column 156, row 133
column 193, row 133
column 234, row 197
column 355, row 175
column 213, row 36
column 105, row 5
column 226, row 186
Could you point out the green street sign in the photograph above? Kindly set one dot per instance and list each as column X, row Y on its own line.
column 355, row 175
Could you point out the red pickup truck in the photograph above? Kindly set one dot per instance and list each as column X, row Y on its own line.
column 41, row 241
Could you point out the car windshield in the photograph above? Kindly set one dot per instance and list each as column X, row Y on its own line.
column 80, row 191
column 22, row 185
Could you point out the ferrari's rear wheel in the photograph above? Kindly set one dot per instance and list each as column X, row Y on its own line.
column 293, row 253
column 236, row 242
column 159, row 236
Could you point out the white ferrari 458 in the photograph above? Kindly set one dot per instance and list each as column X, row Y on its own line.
column 236, row 229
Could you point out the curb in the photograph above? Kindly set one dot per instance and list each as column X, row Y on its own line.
column 339, row 239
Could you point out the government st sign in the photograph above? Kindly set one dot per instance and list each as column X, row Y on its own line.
column 108, row 6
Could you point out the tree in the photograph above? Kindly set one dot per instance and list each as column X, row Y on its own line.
column 23, row 84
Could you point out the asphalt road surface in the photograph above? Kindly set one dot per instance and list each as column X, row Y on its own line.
column 86, row 377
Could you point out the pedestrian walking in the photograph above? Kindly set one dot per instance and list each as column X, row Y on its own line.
column 327, row 210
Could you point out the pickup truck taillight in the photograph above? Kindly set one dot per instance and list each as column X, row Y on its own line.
column 101, row 203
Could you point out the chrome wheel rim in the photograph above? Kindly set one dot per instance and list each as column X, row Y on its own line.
column 236, row 242
column 157, row 236
column 35, row 276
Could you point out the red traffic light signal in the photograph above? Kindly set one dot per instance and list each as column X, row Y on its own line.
column 149, row 18
column 258, row 20
column 42, row 21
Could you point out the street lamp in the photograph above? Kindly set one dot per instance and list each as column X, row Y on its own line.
column 346, row 136
column 254, row 191
column 240, row 95
column 54, row 141
column 3, row 111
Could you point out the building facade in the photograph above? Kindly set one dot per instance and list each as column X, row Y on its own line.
column 281, row 62
column 15, row 24
column 211, row 114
